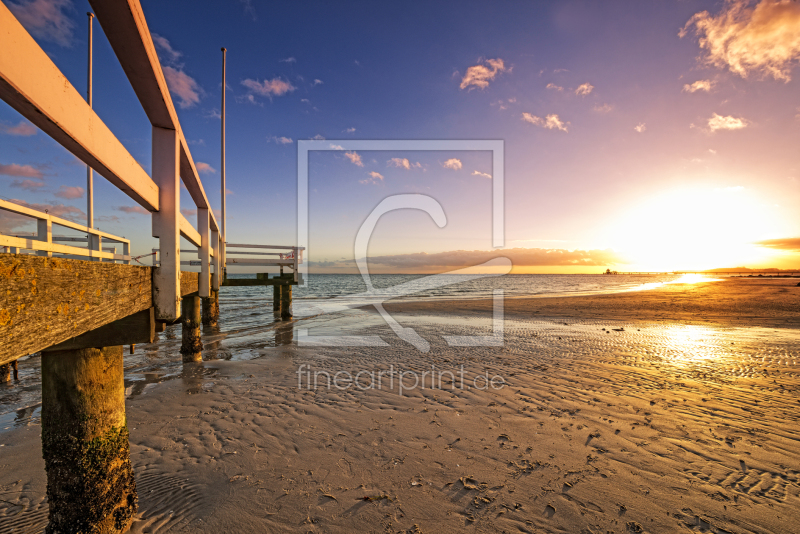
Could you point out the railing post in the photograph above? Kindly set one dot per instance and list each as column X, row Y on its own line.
column 167, row 276
column 126, row 251
column 95, row 243
column 204, row 287
column 45, row 233
column 296, row 256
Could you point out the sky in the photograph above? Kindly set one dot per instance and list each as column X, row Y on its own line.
column 637, row 136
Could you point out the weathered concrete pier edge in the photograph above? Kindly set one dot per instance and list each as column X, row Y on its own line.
column 79, row 305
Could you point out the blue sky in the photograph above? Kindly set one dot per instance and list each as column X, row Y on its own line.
column 626, row 145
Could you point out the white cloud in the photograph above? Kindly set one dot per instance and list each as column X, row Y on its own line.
column 336, row 147
column 551, row 122
column 280, row 140
column 354, row 158
column 23, row 129
column 404, row 163
column 478, row 173
column 183, row 86
column 481, row 75
column 584, row 89
column 317, row 82
column 23, row 171
column 70, row 192
column 605, row 108
column 318, row 137
column 718, row 122
column 699, row 85
column 269, row 88
column 45, row 19
column 764, row 39
column 555, row 87
column 205, row 167
column 374, row 177
column 349, row 130
column 289, row 60
column 452, row 163
column 640, row 127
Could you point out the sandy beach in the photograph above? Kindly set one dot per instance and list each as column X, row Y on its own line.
column 670, row 410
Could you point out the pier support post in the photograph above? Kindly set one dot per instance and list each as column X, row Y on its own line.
column 192, row 346
column 286, row 301
column 276, row 298
column 5, row 373
column 90, row 484
column 15, row 369
column 211, row 308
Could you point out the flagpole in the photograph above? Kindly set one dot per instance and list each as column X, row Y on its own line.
column 222, row 172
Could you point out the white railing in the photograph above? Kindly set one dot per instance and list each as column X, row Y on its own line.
column 44, row 243
column 292, row 258
column 34, row 86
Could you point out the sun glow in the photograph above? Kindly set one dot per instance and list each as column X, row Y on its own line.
column 697, row 229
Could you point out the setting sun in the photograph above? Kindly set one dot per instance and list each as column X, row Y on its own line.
column 696, row 229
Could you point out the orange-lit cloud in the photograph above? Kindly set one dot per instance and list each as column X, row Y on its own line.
column 480, row 75
column 584, row 89
column 641, row 127
column 183, row 86
column 551, row 122
column 520, row 257
column 788, row 243
column 763, row 39
column 45, row 19
column 24, row 171
column 133, row 209
column 205, row 167
column 403, row 163
column 28, row 185
column 605, row 108
column 699, row 85
column 554, row 87
column 452, row 163
column 478, row 173
column 374, row 177
column 269, row 88
column 70, row 192
column 23, row 129
column 354, row 158
column 163, row 45
column 718, row 122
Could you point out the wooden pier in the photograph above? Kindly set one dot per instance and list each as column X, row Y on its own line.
column 79, row 300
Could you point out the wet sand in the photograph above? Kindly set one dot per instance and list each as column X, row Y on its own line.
column 674, row 410
column 766, row 302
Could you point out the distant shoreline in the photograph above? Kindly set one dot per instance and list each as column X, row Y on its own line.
column 761, row 302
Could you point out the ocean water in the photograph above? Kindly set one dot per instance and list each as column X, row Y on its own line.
column 328, row 286
column 247, row 326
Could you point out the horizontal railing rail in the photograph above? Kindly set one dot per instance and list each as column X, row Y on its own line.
column 44, row 243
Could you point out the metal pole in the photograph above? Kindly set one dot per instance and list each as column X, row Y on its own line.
column 89, row 173
column 224, row 192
